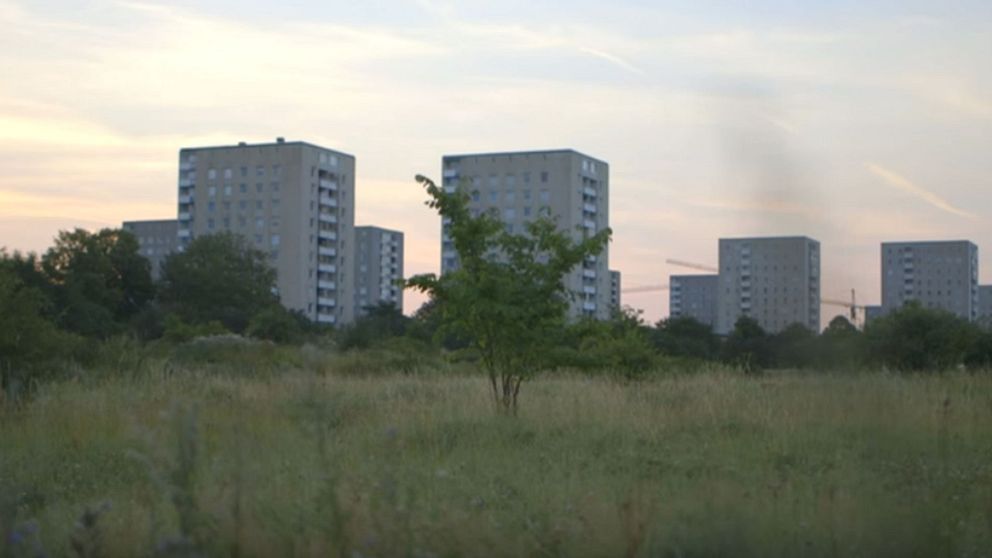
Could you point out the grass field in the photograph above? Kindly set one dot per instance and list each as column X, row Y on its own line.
column 303, row 464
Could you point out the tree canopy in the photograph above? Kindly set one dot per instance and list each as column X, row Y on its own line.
column 219, row 277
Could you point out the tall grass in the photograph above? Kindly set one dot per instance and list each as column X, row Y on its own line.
column 316, row 464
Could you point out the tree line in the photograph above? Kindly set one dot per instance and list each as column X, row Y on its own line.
column 505, row 307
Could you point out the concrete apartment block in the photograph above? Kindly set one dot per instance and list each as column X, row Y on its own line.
column 571, row 187
column 872, row 312
column 615, row 287
column 693, row 296
column 293, row 200
column 378, row 268
column 156, row 240
column 938, row 274
column 774, row 280
column 985, row 305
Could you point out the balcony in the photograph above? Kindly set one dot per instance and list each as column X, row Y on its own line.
column 328, row 201
column 184, row 233
column 326, row 268
column 326, row 284
column 589, row 207
column 184, row 216
column 589, row 306
column 327, row 250
column 588, row 289
column 325, row 318
column 185, row 198
column 590, row 273
column 327, row 234
column 327, row 218
column 589, row 224
column 187, row 166
column 450, row 173
column 589, row 191
column 324, row 301
column 329, row 184
column 185, row 182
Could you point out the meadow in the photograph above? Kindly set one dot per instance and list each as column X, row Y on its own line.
column 184, row 459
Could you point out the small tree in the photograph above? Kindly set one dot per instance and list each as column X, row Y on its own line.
column 219, row 277
column 507, row 297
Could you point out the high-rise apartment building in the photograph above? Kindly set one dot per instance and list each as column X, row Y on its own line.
column 615, row 286
column 571, row 187
column 693, row 296
column 985, row 305
column 378, row 268
column 156, row 240
column 774, row 280
column 293, row 200
column 938, row 274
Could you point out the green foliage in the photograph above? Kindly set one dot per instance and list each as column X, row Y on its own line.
column 748, row 346
column 918, row 338
column 219, row 277
column 619, row 346
column 277, row 324
column 27, row 339
column 380, row 322
column 177, row 331
column 686, row 337
column 793, row 347
column 99, row 280
column 840, row 346
column 507, row 296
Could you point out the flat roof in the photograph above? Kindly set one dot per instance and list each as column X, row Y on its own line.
column 694, row 275
column 929, row 242
column 378, row 228
column 770, row 238
column 266, row 144
column 151, row 221
column 519, row 153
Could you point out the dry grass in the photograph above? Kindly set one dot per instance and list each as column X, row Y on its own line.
column 314, row 465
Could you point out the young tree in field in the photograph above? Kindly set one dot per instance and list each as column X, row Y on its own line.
column 99, row 280
column 219, row 277
column 508, row 296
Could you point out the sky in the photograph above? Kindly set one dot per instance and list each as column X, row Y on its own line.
column 849, row 122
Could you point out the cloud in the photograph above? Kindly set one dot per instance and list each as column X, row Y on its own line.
column 902, row 183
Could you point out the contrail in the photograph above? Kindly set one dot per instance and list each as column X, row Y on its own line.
column 614, row 59
column 903, row 183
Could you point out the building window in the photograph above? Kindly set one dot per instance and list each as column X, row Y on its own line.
column 228, row 173
column 544, row 176
column 259, row 223
column 259, row 187
column 212, row 191
column 227, row 190
column 545, row 196
column 211, row 206
column 509, row 214
column 260, row 170
column 475, row 195
column 494, row 196
column 275, row 240
column 211, row 174
column 258, row 205
column 510, row 196
column 210, row 224
column 493, row 180
column 527, row 211
column 244, row 171
column 243, row 205
column 243, row 188
column 276, row 170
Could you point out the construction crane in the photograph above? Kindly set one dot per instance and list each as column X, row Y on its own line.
column 852, row 306
column 644, row 289
column 691, row 265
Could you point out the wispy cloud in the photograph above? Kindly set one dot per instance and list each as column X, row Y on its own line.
column 902, row 183
column 614, row 59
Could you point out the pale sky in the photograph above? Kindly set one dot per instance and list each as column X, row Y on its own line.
column 851, row 122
